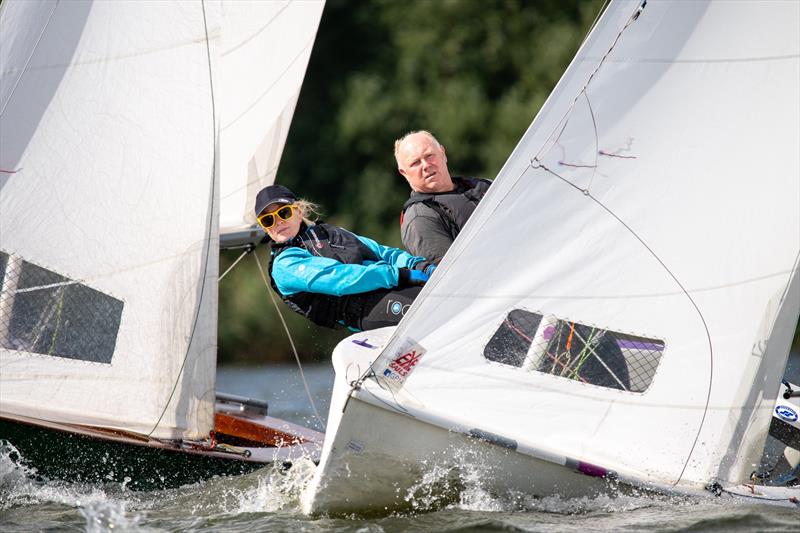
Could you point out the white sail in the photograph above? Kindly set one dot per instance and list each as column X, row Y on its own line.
column 265, row 50
column 654, row 204
column 108, row 214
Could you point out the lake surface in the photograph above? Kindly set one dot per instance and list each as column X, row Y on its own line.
column 268, row 499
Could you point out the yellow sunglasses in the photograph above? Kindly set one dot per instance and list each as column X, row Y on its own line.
column 267, row 220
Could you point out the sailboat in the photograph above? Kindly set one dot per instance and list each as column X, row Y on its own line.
column 135, row 136
column 617, row 313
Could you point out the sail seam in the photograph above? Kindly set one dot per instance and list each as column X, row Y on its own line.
column 257, row 179
column 258, row 32
column 98, row 60
column 272, row 85
column 627, row 296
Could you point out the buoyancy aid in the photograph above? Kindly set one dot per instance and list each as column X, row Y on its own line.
column 333, row 242
column 454, row 207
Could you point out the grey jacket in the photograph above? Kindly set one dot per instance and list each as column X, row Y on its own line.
column 431, row 222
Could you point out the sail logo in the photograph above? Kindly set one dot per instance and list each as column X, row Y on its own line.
column 400, row 366
column 405, row 363
column 786, row 412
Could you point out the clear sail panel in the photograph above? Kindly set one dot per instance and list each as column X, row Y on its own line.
column 571, row 350
column 46, row 313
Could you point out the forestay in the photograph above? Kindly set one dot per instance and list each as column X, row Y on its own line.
column 109, row 247
column 627, row 291
column 265, row 51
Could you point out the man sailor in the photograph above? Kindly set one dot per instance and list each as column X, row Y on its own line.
column 439, row 205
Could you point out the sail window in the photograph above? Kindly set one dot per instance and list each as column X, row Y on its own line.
column 606, row 358
column 46, row 313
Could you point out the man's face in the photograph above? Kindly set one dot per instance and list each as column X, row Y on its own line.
column 424, row 164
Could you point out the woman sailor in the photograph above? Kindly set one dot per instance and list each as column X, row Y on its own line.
column 331, row 276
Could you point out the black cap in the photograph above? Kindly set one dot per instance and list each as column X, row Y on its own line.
column 274, row 194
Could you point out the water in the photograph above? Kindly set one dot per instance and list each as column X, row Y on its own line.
column 268, row 499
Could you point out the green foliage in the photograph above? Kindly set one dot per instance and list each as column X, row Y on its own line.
column 474, row 72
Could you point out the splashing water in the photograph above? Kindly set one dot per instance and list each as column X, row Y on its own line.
column 14, row 474
column 104, row 515
column 101, row 507
column 278, row 490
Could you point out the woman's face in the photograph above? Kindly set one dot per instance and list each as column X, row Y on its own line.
column 283, row 230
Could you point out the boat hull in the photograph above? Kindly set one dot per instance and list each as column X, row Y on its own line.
column 382, row 461
column 97, row 455
column 383, row 455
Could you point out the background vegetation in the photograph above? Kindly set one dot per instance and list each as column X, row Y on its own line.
column 474, row 72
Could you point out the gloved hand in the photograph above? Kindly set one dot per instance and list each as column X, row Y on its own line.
column 411, row 278
column 426, row 267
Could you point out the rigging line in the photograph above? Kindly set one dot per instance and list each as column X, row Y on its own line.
column 618, row 296
column 392, row 406
column 593, row 351
column 246, row 251
column 27, row 62
column 631, row 20
column 291, row 342
column 594, row 22
column 685, row 292
column 209, row 229
column 596, row 141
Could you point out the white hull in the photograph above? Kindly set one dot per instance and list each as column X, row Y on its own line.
column 382, row 461
column 377, row 459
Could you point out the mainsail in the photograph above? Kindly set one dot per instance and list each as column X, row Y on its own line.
column 117, row 120
column 627, row 291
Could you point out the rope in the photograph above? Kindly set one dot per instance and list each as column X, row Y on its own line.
column 246, row 251
column 594, row 22
column 291, row 341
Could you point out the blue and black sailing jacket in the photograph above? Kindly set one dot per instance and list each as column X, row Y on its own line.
column 319, row 269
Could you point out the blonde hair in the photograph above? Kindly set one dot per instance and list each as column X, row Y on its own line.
column 307, row 210
column 399, row 141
